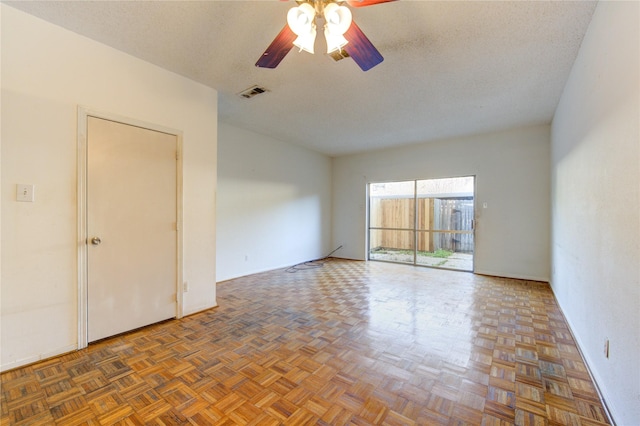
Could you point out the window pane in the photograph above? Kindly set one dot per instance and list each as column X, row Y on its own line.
column 392, row 189
column 445, row 188
column 445, row 204
column 393, row 246
column 445, row 250
column 438, row 214
column 392, row 205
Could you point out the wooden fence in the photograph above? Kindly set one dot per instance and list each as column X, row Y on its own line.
column 449, row 220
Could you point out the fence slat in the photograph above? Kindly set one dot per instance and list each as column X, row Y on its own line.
column 434, row 214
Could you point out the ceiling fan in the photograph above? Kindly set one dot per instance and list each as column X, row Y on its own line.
column 344, row 37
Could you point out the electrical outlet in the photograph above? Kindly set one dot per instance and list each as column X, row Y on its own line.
column 185, row 287
column 606, row 348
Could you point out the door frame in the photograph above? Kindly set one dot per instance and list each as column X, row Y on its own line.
column 82, row 236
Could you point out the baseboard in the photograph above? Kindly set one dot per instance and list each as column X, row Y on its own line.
column 248, row 273
column 37, row 358
column 607, row 409
column 198, row 309
column 515, row 276
column 349, row 258
column 260, row 271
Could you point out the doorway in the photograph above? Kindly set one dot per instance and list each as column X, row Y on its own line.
column 426, row 222
column 129, row 225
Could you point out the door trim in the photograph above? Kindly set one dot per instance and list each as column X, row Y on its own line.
column 82, row 246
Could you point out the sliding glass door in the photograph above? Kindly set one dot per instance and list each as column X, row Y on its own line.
column 423, row 222
column 392, row 214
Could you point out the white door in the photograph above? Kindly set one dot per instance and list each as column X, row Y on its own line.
column 131, row 227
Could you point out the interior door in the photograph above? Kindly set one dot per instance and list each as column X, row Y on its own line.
column 131, row 227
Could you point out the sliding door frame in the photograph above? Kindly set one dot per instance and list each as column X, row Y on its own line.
column 416, row 231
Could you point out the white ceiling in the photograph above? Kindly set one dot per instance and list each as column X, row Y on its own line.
column 451, row 68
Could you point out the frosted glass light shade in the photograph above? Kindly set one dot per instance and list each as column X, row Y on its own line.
column 306, row 42
column 338, row 21
column 334, row 42
column 301, row 21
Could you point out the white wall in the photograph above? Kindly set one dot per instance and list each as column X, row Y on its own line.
column 274, row 203
column 46, row 73
column 595, row 204
column 512, row 177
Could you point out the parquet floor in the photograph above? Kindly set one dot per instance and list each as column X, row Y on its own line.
column 361, row 343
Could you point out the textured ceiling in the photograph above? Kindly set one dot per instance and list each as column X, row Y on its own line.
column 451, row 68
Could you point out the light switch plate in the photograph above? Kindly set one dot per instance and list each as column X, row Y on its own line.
column 25, row 192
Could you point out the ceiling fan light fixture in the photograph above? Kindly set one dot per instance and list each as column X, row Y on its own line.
column 306, row 42
column 338, row 20
column 301, row 21
column 334, row 42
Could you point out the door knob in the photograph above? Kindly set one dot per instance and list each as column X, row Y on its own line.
column 96, row 241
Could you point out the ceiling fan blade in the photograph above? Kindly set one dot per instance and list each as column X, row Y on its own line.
column 362, row 3
column 278, row 49
column 361, row 49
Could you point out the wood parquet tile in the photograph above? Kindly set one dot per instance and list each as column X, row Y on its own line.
column 351, row 343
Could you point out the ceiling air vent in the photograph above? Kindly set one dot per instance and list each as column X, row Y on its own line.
column 252, row 91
